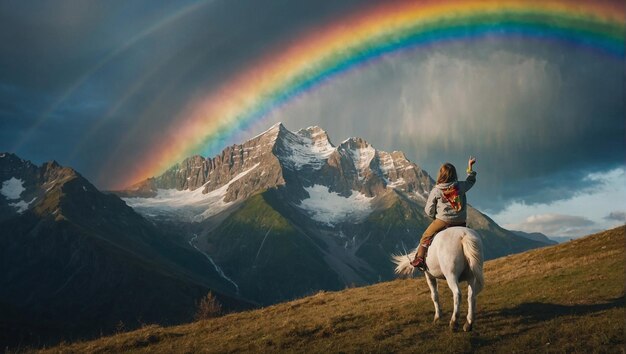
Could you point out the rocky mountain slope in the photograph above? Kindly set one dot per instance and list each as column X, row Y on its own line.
column 287, row 214
column 76, row 262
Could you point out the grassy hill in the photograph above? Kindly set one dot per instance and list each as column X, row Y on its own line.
column 563, row 298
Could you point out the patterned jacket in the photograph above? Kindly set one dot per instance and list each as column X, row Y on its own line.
column 447, row 201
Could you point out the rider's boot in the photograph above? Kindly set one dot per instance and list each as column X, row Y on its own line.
column 420, row 258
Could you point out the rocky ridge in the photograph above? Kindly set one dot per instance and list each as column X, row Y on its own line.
column 296, row 161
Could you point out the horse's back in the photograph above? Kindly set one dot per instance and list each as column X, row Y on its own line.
column 445, row 255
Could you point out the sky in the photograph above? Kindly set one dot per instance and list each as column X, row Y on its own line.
column 93, row 84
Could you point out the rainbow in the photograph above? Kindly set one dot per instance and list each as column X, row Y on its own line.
column 363, row 37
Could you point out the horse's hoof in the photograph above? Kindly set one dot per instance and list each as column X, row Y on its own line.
column 467, row 327
column 454, row 326
column 435, row 320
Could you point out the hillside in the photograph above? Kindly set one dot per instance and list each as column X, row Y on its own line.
column 563, row 298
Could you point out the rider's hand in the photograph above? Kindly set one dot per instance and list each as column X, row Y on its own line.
column 472, row 161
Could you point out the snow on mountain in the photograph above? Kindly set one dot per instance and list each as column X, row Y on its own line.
column 397, row 183
column 22, row 205
column 330, row 208
column 307, row 147
column 362, row 154
column 386, row 164
column 12, row 188
column 190, row 205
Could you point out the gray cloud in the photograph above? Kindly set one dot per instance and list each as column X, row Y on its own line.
column 556, row 225
column 616, row 216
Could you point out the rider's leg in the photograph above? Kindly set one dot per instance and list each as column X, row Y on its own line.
column 434, row 227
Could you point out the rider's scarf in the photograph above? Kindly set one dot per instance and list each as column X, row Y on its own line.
column 451, row 194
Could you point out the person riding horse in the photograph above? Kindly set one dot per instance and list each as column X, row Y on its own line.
column 446, row 205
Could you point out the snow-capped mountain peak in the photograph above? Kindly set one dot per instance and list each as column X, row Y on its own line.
column 301, row 162
column 307, row 148
column 361, row 153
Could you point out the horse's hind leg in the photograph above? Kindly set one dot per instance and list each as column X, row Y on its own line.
column 456, row 296
column 434, row 294
column 471, row 305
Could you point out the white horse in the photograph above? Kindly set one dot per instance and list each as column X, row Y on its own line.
column 456, row 255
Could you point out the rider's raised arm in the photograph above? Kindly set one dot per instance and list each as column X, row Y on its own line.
column 471, row 176
column 469, row 181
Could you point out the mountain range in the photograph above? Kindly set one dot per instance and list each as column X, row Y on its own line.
column 280, row 216
column 285, row 203
column 77, row 262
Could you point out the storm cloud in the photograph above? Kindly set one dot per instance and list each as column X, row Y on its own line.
column 539, row 117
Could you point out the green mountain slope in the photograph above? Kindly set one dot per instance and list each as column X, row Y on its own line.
column 564, row 298
column 267, row 255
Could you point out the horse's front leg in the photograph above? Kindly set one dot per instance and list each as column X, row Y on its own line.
column 456, row 296
column 434, row 294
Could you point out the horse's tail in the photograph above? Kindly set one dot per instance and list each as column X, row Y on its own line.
column 403, row 263
column 472, row 249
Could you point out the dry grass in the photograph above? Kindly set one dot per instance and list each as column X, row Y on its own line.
column 565, row 298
